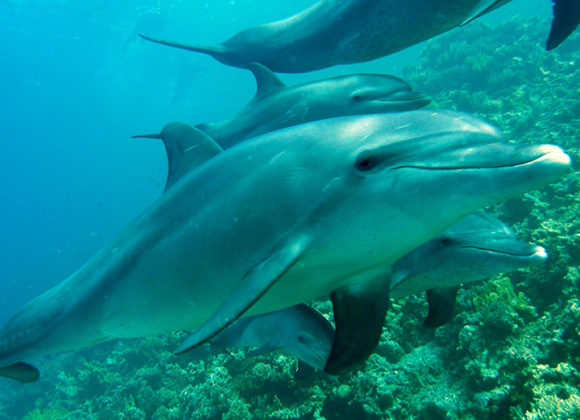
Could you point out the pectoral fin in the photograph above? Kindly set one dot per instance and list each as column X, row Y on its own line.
column 250, row 288
column 441, row 306
column 21, row 372
column 359, row 315
column 215, row 51
column 566, row 19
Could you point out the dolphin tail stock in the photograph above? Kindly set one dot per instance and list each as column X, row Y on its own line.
column 21, row 372
column 566, row 19
column 214, row 51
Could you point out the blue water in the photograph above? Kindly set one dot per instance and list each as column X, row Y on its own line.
column 76, row 83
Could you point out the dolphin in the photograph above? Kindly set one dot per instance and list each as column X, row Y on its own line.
column 332, row 32
column 299, row 331
column 323, row 207
column 277, row 106
column 473, row 249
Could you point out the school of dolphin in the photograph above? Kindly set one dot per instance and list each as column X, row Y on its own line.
column 339, row 187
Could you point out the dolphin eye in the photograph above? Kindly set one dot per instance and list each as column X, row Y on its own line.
column 445, row 241
column 366, row 163
column 359, row 95
column 302, row 338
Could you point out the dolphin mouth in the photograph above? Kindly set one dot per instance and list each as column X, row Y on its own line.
column 405, row 96
column 536, row 252
column 545, row 154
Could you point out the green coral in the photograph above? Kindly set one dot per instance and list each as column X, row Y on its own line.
column 57, row 413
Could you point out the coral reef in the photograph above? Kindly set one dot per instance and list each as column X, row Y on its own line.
column 512, row 351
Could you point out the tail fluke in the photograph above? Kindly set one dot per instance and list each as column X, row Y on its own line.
column 566, row 19
column 21, row 372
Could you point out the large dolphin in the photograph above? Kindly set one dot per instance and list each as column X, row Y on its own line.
column 319, row 208
column 473, row 249
column 276, row 105
column 335, row 32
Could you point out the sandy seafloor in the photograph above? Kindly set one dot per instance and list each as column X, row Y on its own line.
column 512, row 350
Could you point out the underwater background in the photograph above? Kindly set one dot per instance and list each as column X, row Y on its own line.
column 77, row 82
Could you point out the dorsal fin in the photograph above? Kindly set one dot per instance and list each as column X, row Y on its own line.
column 267, row 82
column 186, row 148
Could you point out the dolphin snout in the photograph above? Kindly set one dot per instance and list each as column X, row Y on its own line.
column 407, row 95
column 553, row 154
column 539, row 254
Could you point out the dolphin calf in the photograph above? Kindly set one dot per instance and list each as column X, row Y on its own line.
column 473, row 249
column 277, row 106
column 323, row 207
column 335, row 32
column 299, row 331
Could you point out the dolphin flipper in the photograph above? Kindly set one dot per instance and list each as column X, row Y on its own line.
column 441, row 306
column 359, row 315
column 21, row 372
column 249, row 289
column 566, row 19
column 214, row 51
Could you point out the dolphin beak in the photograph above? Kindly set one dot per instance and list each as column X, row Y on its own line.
column 540, row 254
column 407, row 96
column 523, row 251
column 147, row 136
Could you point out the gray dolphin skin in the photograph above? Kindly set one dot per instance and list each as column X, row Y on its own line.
column 299, row 331
column 319, row 208
column 277, row 106
column 335, row 32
